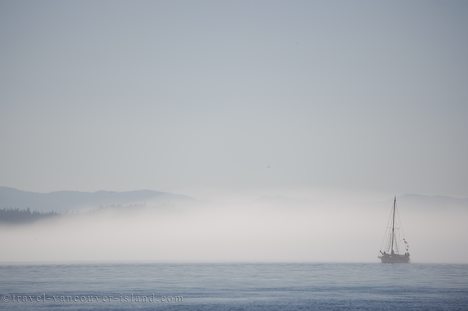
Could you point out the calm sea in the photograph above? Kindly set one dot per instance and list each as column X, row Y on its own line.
column 234, row 287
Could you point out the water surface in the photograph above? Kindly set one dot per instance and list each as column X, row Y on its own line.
column 288, row 286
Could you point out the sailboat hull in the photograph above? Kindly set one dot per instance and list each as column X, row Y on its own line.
column 395, row 258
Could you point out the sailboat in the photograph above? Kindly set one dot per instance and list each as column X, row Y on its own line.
column 391, row 253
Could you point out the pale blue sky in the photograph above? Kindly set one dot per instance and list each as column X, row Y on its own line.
column 170, row 95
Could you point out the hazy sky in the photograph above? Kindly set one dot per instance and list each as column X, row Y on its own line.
column 170, row 95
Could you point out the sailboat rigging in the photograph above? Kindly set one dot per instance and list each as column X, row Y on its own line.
column 391, row 254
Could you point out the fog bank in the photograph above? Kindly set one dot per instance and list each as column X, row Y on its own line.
column 267, row 227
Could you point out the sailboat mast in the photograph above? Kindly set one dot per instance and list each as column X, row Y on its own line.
column 393, row 222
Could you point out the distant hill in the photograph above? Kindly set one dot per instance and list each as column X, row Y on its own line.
column 432, row 201
column 66, row 201
column 17, row 216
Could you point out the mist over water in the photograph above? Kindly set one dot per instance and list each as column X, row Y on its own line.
column 292, row 226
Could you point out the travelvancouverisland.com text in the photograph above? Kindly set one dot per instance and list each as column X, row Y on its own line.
column 116, row 298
